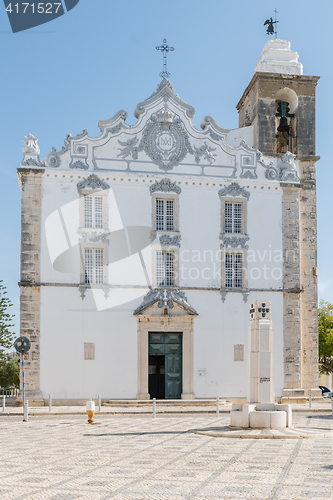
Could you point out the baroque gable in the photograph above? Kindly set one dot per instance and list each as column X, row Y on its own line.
column 164, row 140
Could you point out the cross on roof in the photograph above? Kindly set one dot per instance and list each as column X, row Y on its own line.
column 165, row 49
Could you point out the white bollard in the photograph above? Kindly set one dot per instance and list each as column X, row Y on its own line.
column 99, row 402
column 3, row 403
column 310, row 400
column 217, row 407
column 154, row 407
column 50, row 402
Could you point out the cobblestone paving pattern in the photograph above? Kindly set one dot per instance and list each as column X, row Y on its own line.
column 135, row 457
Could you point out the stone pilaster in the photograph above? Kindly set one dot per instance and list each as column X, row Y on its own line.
column 292, row 334
column 31, row 189
column 308, row 276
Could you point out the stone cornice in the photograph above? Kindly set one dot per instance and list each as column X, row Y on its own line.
column 276, row 77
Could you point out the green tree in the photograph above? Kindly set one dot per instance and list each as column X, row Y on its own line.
column 6, row 323
column 325, row 331
column 10, row 373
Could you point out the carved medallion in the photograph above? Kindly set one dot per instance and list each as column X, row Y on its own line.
column 165, row 140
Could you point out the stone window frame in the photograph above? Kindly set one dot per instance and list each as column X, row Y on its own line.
column 105, row 210
column 99, row 245
column 90, row 232
column 224, row 252
column 234, row 199
column 165, row 196
column 156, row 246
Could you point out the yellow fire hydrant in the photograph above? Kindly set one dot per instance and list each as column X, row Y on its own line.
column 90, row 410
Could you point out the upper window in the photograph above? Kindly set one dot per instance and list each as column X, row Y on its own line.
column 164, row 214
column 93, row 266
column 233, row 217
column 93, row 211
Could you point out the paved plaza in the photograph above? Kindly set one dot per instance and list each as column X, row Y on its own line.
column 136, row 457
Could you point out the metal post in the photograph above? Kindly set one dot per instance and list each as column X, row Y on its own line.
column 99, row 403
column 217, row 407
column 332, row 405
column 50, row 402
column 23, row 387
column 154, row 407
column 26, row 412
column 3, row 403
column 310, row 400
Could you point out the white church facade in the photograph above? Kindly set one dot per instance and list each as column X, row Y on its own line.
column 143, row 248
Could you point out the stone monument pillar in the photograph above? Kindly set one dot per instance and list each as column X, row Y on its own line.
column 260, row 369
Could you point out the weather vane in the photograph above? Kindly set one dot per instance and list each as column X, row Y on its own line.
column 270, row 28
column 165, row 49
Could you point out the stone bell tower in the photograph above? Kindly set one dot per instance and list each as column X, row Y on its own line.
column 279, row 103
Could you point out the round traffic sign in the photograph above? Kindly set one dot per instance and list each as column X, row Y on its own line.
column 22, row 345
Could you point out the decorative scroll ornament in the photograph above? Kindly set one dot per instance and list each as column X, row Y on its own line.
column 271, row 173
column 165, row 298
column 79, row 164
column 234, row 189
column 165, row 186
column 166, row 239
column 93, row 237
column 92, row 182
column 31, row 162
column 53, row 159
column 234, row 241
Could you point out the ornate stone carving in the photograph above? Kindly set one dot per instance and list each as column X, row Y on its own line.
column 205, row 151
column 30, row 152
column 165, row 298
column 165, row 143
column 52, row 159
column 93, row 237
column 92, row 182
column 248, row 164
column 129, row 148
column 288, row 171
column 31, row 162
column 166, row 239
column 165, row 186
column 79, row 164
column 82, row 290
column 223, row 295
column 30, row 145
column 234, row 241
column 271, row 173
column 245, row 296
column 234, row 189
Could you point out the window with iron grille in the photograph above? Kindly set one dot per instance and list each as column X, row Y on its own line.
column 164, row 215
column 232, row 217
column 93, row 266
column 164, row 268
column 233, row 270
column 93, row 211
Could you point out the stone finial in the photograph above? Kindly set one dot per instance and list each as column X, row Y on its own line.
column 30, row 145
column 30, row 152
column 277, row 57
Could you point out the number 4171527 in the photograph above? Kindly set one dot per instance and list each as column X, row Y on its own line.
column 32, row 8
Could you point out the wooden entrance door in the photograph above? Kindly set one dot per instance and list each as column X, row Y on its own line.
column 165, row 365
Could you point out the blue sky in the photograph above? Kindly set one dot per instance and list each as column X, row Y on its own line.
column 100, row 57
